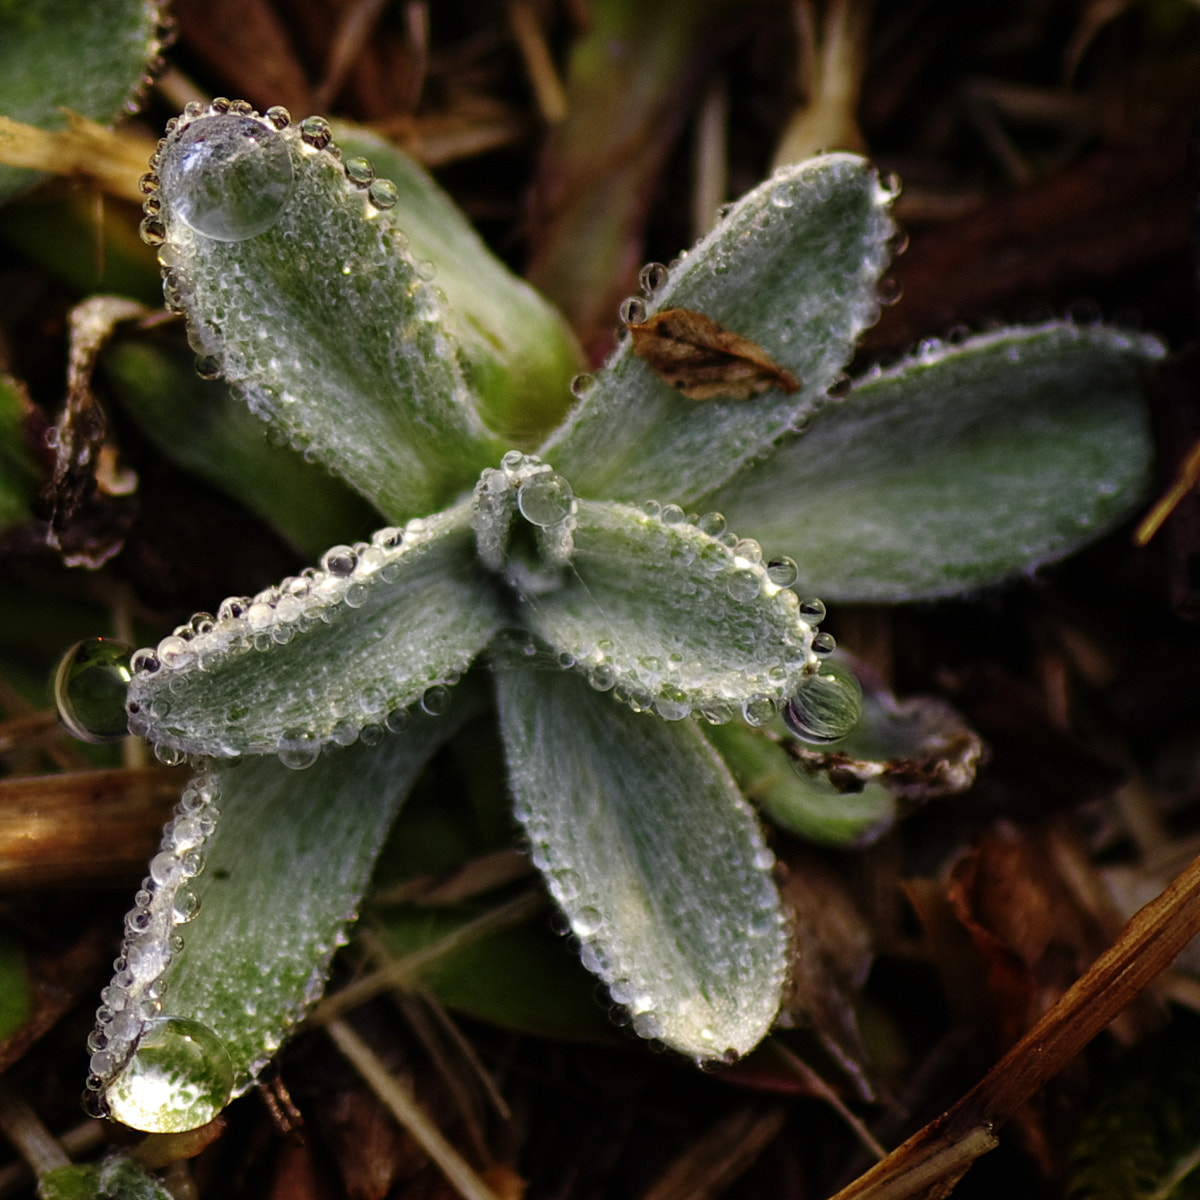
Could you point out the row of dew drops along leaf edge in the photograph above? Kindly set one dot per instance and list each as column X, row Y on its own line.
column 318, row 595
column 148, row 1069
column 229, row 218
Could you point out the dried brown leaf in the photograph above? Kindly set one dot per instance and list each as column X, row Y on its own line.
column 704, row 361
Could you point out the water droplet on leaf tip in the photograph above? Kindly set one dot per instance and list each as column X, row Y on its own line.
column 229, row 177
column 824, row 643
column 90, row 686
column 178, row 1078
column 826, row 707
column 672, row 514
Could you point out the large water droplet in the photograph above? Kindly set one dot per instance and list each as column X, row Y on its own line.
column 89, row 689
column 826, row 707
column 545, row 499
column 178, row 1078
column 229, row 177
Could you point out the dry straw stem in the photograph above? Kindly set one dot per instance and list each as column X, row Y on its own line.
column 114, row 162
column 931, row 1162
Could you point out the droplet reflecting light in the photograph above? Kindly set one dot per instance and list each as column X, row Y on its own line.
column 228, row 177
column 89, row 689
column 179, row 1077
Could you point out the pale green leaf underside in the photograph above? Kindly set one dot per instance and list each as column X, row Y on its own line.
column 807, row 805
column 960, row 466
column 89, row 56
column 322, row 319
column 284, row 871
column 656, row 860
column 668, row 612
column 794, row 268
column 294, row 672
column 518, row 351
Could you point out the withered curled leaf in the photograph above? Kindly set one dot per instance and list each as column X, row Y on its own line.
column 703, row 360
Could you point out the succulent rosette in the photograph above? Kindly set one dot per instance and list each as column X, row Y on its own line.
column 643, row 656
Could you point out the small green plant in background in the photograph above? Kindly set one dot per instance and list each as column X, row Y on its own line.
column 644, row 657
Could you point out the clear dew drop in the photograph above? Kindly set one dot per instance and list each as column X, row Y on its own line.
column 587, row 922
column 435, row 700
column 581, row 385
column 298, row 749
column 743, row 586
column 383, row 193
column 632, row 310
column 545, row 499
column 824, row 644
column 340, row 560
column 316, row 132
column 651, row 277
column 359, row 171
column 812, row 610
column 89, row 689
column 783, row 196
column 826, row 707
column 782, row 572
column 228, row 177
column 758, row 709
column 179, row 1077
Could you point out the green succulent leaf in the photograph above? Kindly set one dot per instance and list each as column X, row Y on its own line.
column 655, row 858
column 517, row 351
column 199, row 424
column 793, row 267
column 805, row 804
column 671, row 617
column 260, row 897
column 959, row 466
column 520, row 978
column 293, row 271
column 312, row 662
column 89, row 56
